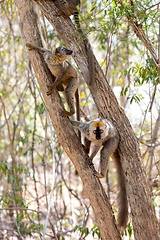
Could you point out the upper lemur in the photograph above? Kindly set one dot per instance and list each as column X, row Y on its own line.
column 101, row 132
column 66, row 9
column 65, row 74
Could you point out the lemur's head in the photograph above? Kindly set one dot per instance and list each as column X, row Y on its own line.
column 59, row 55
column 62, row 53
column 98, row 130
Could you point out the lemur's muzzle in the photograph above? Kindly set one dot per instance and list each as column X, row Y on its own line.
column 69, row 52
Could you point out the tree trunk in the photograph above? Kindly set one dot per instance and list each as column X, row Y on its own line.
column 143, row 215
column 68, row 139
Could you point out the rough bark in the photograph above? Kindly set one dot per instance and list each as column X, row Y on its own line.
column 143, row 216
column 68, row 139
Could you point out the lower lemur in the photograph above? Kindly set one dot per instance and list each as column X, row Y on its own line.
column 65, row 75
column 101, row 132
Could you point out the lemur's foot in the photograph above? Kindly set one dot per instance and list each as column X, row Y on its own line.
column 91, row 165
column 97, row 174
column 89, row 162
column 50, row 89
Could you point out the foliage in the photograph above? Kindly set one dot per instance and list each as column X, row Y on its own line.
column 141, row 75
column 128, row 231
column 86, row 231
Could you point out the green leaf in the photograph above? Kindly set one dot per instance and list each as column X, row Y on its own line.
column 125, row 72
column 16, row 201
column 93, row 8
column 126, row 90
column 76, row 227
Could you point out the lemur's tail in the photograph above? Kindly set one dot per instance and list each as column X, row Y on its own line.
column 122, row 195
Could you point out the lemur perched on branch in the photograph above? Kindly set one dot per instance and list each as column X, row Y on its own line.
column 65, row 75
column 101, row 132
column 66, row 9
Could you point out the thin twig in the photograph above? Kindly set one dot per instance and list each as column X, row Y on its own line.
column 146, row 9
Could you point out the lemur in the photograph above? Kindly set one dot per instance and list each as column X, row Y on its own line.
column 66, row 9
column 102, row 133
column 65, row 75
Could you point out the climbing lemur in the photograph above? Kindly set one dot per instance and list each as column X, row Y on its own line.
column 102, row 133
column 65, row 74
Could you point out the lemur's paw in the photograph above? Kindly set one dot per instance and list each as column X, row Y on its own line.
column 49, row 92
column 89, row 161
column 97, row 174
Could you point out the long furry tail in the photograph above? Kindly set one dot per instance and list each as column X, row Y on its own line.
column 78, row 111
column 122, row 195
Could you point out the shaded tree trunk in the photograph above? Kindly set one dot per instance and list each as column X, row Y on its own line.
column 68, row 139
column 143, row 215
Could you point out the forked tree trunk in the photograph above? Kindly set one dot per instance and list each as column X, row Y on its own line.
column 143, row 215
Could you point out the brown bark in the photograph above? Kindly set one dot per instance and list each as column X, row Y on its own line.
column 101, row 207
column 144, row 220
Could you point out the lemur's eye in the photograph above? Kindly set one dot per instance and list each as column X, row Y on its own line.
column 94, row 131
column 101, row 131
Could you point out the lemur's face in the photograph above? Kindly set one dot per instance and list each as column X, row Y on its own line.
column 64, row 51
column 60, row 54
column 97, row 130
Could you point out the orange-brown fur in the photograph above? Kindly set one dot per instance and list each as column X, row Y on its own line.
column 65, row 74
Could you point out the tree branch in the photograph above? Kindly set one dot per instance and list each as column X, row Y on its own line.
column 137, row 28
column 68, row 139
